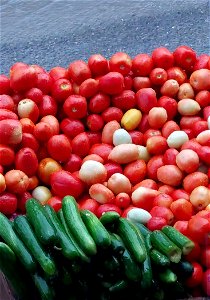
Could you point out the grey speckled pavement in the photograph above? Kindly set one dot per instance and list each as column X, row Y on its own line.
column 53, row 33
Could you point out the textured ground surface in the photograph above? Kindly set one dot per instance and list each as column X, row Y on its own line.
column 54, row 33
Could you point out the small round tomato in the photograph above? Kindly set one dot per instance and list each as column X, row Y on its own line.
column 81, row 144
column 6, row 102
column 203, row 98
column 169, row 157
column 34, row 94
column 156, row 145
column 98, row 64
column 142, row 65
column 46, row 168
column 79, row 71
column 162, row 58
column 184, row 57
column 153, row 165
column 26, row 161
column 88, row 88
column 170, row 175
column 95, row 122
column 99, row 103
column 102, row 150
column 58, row 73
column 7, row 155
column 22, row 199
column 29, row 141
column 73, row 164
column 177, row 73
column 135, row 171
column 158, row 76
column 122, row 200
column 200, row 79
column 182, row 226
column 55, row 202
column 59, row 147
column 163, row 200
column 61, row 89
column 141, row 82
column 16, row 181
column 89, row 204
column 146, row 99
column 125, row 100
column 4, row 85
column 112, row 83
column 193, row 180
column 75, row 107
column 182, row 209
column 44, row 83
column 48, row 106
column 8, row 203
column 156, row 223
column 112, row 114
column 198, row 228
column 163, row 212
column 120, row 62
column 196, row 278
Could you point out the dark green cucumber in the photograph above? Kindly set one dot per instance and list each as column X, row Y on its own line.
column 109, row 217
column 162, row 243
column 26, row 234
column 183, row 242
column 111, row 264
column 96, row 229
column 46, row 292
column 68, row 248
column 117, row 245
column 76, row 225
column 81, row 253
column 147, row 276
column 183, row 269
column 37, row 218
column 13, row 241
column 167, row 276
column 132, row 239
column 118, row 286
column 143, row 229
column 10, row 268
column 159, row 258
column 131, row 268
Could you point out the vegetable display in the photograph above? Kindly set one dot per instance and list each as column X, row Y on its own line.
column 129, row 140
column 119, row 258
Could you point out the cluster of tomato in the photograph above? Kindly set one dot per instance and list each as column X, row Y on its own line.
column 115, row 134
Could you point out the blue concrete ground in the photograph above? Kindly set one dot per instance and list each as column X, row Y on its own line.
column 53, row 33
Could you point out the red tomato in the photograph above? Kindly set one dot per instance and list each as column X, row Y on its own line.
column 26, row 161
column 112, row 83
column 153, row 165
column 182, row 209
column 48, row 106
column 136, row 136
column 23, row 78
column 146, row 99
column 162, row 58
column 141, row 82
column 102, row 150
column 79, row 71
column 200, row 79
column 156, row 223
column 196, row 278
column 75, row 106
column 142, row 65
column 88, row 88
column 163, row 200
column 29, row 141
column 112, row 168
column 58, row 73
column 7, row 155
column 194, row 180
column 22, row 199
column 120, row 62
column 98, row 65
column 81, row 144
column 64, row 183
column 198, row 228
column 59, row 147
column 55, row 202
column 158, row 76
column 4, row 85
column 89, row 204
column 135, row 171
column 203, row 98
column 61, row 89
column 156, row 145
column 107, row 207
column 95, row 122
column 73, row 164
column 44, row 82
column 46, row 168
column 8, row 203
column 6, row 102
column 34, row 94
column 182, row 226
column 122, row 200
column 162, row 212
column 205, row 257
column 16, row 181
column 177, row 73
column 125, row 100
column 99, row 103
column 169, row 157
column 112, row 114
column 184, row 57
column 170, row 105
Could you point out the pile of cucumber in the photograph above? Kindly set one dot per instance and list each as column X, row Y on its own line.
column 74, row 255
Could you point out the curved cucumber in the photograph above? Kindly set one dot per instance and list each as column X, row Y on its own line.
column 26, row 234
column 76, row 225
column 96, row 229
column 12, row 240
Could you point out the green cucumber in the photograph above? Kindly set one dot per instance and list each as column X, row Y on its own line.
column 131, row 268
column 162, row 243
column 12, row 240
column 183, row 242
column 167, row 276
column 76, row 225
column 132, row 239
column 159, row 258
column 143, row 229
column 11, row 269
column 117, row 245
column 81, row 253
column 26, row 234
column 118, row 286
column 42, row 227
column 109, row 218
column 146, row 281
column 68, row 248
column 96, row 229
column 183, row 269
column 46, row 292
column 111, row 264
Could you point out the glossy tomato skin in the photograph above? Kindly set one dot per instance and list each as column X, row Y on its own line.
column 75, row 107
column 99, row 103
column 34, row 94
column 125, row 100
column 120, row 62
column 79, row 71
column 61, row 89
column 22, row 199
column 7, row 155
column 6, row 102
column 26, row 161
column 184, row 57
column 48, row 106
column 23, row 78
column 81, row 144
column 112, row 83
column 142, row 65
column 89, row 204
column 64, row 183
column 8, row 203
column 59, row 147
column 156, row 223
column 4, row 85
column 16, row 181
column 198, row 228
column 107, row 207
column 58, row 73
column 146, row 99
column 98, row 65
column 112, row 114
column 162, row 58
column 55, row 202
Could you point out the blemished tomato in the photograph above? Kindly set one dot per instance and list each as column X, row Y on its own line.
column 156, row 223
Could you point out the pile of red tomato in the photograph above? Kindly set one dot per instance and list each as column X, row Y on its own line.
column 115, row 134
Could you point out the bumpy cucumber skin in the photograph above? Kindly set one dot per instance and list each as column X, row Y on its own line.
column 77, row 227
column 109, row 217
column 12, row 240
column 46, row 292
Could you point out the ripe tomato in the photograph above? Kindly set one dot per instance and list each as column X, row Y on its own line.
column 162, row 58
column 59, row 147
column 107, row 207
column 16, row 181
column 135, row 171
column 98, row 65
column 55, row 202
column 206, row 282
column 8, row 203
column 198, row 228
column 79, row 71
column 182, row 209
column 89, row 204
column 156, row 223
column 196, row 278
column 120, row 62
